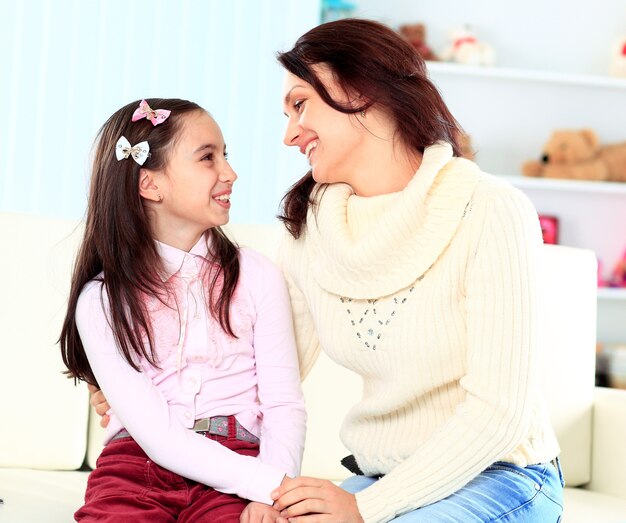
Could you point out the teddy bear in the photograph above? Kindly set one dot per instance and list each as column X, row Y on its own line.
column 465, row 48
column 415, row 34
column 577, row 155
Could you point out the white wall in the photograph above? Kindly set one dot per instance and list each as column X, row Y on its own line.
column 68, row 64
column 554, row 35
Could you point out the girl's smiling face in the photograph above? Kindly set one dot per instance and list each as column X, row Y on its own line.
column 195, row 186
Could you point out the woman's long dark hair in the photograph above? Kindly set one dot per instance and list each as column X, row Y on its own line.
column 118, row 241
column 373, row 61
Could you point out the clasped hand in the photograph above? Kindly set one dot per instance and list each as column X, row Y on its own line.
column 312, row 500
column 297, row 500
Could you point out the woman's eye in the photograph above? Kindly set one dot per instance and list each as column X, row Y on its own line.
column 225, row 155
column 298, row 105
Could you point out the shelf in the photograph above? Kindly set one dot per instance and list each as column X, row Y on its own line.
column 528, row 75
column 552, row 184
column 611, row 293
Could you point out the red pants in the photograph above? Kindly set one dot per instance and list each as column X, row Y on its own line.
column 127, row 486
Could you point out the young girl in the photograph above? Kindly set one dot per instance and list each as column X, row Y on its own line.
column 189, row 337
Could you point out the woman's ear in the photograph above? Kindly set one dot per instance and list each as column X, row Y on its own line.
column 148, row 188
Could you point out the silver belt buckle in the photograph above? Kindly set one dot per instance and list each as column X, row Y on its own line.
column 202, row 425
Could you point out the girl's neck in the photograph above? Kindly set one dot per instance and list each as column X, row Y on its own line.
column 182, row 239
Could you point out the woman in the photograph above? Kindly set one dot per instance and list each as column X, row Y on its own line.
column 414, row 269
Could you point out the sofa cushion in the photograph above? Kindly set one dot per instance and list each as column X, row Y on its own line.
column 44, row 417
column 584, row 506
column 567, row 337
column 567, row 323
column 608, row 474
column 40, row 495
column 30, row 495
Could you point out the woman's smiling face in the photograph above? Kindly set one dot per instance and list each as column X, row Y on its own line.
column 331, row 140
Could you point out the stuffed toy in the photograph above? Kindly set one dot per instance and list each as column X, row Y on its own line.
column 415, row 34
column 465, row 48
column 549, row 229
column 618, row 59
column 618, row 277
column 577, row 155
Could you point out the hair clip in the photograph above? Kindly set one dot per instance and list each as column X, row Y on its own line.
column 155, row 116
column 139, row 152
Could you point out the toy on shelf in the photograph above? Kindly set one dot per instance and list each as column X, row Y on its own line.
column 336, row 9
column 601, row 281
column 549, row 229
column 618, row 59
column 578, row 155
column 618, row 277
column 614, row 364
column 465, row 48
column 415, row 34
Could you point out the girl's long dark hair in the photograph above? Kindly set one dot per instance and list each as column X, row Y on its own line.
column 372, row 60
column 118, row 241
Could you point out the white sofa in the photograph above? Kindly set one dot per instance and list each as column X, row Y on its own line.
column 47, row 433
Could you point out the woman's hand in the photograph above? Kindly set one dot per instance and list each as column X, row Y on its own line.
column 99, row 402
column 312, row 500
column 258, row 513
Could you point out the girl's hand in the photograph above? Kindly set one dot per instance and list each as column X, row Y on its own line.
column 312, row 500
column 258, row 513
column 99, row 402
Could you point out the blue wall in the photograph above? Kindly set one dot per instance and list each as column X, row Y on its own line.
column 68, row 64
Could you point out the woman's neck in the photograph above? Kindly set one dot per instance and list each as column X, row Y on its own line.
column 384, row 168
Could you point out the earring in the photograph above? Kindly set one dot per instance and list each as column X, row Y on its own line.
column 160, row 197
column 363, row 114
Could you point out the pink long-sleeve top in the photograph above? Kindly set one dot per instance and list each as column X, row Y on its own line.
column 205, row 372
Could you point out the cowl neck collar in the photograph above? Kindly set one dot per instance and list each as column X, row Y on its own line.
column 413, row 229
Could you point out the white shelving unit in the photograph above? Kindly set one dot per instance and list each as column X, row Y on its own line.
column 547, row 78
column 591, row 214
column 527, row 75
column 591, row 211
column 606, row 293
column 551, row 184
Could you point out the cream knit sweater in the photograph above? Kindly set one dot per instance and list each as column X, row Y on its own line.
column 429, row 295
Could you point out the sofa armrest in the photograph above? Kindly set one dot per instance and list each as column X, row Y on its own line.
column 608, row 471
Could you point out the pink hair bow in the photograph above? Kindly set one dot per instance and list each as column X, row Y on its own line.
column 155, row 116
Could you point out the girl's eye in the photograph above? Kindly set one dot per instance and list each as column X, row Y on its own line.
column 208, row 157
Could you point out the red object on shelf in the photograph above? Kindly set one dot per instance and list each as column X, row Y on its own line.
column 618, row 278
column 549, row 229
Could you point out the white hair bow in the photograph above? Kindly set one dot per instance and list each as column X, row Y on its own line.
column 139, row 152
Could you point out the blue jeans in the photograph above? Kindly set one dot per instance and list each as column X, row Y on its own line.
column 503, row 492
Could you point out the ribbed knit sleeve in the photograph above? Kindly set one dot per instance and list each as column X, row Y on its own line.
column 307, row 341
column 499, row 329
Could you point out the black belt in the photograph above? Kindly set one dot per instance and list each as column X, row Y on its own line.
column 350, row 463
